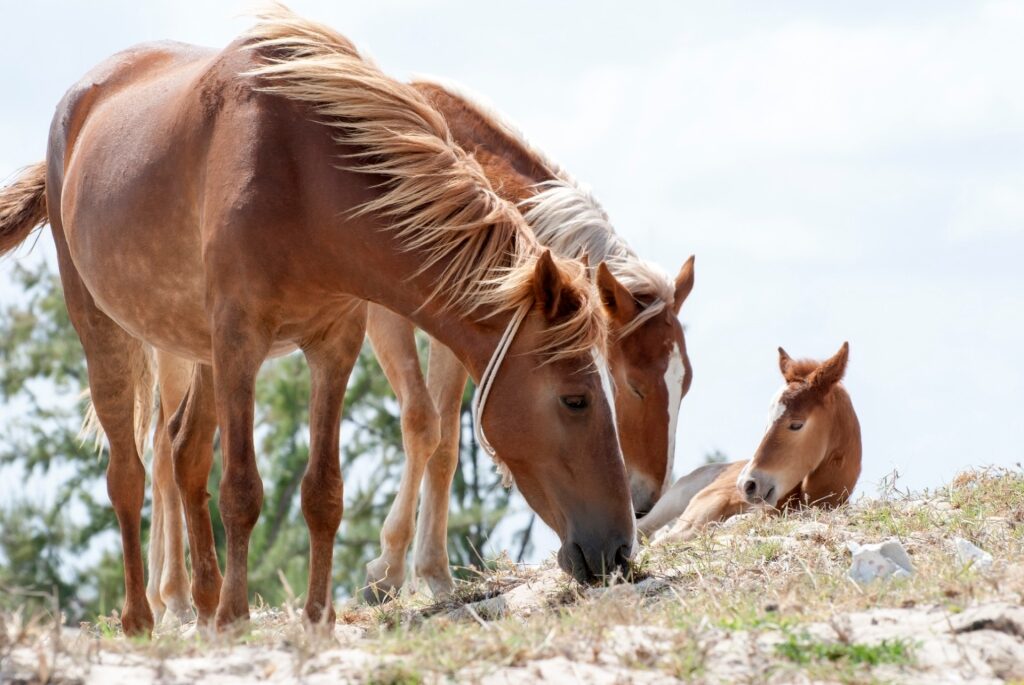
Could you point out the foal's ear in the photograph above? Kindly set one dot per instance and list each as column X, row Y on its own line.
column 618, row 301
column 787, row 367
column 684, row 284
column 831, row 370
column 548, row 285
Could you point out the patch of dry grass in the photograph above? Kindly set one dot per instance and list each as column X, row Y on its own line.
column 766, row 596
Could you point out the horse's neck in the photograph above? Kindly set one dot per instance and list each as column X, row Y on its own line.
column 512, row 167
column 833, row 481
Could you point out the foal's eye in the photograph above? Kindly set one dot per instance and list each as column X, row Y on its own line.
column 636, row 391
column 796, row 425
column 575, row 402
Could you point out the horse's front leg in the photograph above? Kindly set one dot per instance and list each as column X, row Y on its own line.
column 394, row 342
column 239, row 347
column 446, row 378
column 330, row 362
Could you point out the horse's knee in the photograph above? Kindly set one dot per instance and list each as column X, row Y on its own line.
column 421, row 428
column 241, row 498
column 322, row 504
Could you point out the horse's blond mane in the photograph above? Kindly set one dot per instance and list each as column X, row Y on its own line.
column 435, row 195
column 566, row 217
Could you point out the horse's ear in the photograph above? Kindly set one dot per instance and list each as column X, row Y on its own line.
column 548, row 285
column 618, row 301
column 684, row 284
column 831, row 370
column 786, row 367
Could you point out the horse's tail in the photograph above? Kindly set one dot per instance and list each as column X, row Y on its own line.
column 144, row 381
column 22, row 206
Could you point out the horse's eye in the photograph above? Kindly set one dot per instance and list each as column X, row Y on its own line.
column 636, row 391
column 796, row 425
column 575, row 402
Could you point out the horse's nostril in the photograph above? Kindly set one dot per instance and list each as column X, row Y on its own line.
column 750, row 487
column 622, row 556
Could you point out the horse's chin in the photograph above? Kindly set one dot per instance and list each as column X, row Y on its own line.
column 644, row 495
column 571, row 560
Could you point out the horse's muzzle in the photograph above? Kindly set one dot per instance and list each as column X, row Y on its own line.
column 588, row 562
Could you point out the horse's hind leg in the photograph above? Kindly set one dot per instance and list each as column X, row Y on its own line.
column 156, row 530
column 191, row 432
column 446, row 378
column 168, row 577
column 118, row 372
column 394, row 343
column 330, row 362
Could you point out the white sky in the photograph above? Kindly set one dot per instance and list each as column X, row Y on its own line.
column 844, row 173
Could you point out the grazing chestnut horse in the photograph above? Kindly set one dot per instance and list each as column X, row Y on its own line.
column 809, row 456
column 227, row 206
column 647, row 357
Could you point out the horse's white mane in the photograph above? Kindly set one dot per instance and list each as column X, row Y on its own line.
column 566, row 217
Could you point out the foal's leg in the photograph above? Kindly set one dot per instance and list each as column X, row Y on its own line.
column 168, row 577
column 239, row 347
column 394, row 342
column 446, row 378
column 330, row 362
column 191, row 431
column 674, row 502
column 715, row 503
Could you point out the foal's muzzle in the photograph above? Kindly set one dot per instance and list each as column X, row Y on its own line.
column 758, row 488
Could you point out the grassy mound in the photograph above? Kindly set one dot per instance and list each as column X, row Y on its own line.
column 761, row 598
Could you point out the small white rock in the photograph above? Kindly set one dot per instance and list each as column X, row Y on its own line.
column 971, row 555
column 879, row 560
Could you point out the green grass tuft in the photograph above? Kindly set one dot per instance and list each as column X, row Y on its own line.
column 803, row 649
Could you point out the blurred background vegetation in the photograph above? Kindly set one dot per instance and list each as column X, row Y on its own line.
column 65, row 544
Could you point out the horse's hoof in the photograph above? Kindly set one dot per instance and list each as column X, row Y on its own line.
column 383, row 582
column 380, row 593
column 231, row 622
column 137, row 622
column 441, row 584
column 318, row 619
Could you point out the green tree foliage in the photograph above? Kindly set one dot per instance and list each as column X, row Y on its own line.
column 66, row 542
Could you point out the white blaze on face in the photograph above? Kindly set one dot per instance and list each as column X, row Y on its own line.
column 609, row 389
column 675, row 374
column 609, row 393
column 776, row 409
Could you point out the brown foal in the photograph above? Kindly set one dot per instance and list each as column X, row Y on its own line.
column 228, row 206
column 810, row 455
